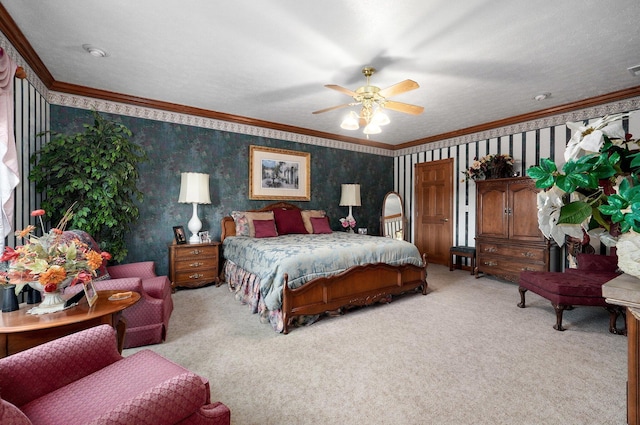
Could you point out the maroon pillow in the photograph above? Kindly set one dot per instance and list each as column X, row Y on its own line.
column 289, row 221
column 320, row 225
column 265, row 228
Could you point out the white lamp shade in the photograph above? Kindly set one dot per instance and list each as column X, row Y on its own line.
column 194, row 188
column 380, row 118
column 351, row 121
column 350, row 195
column 372, row 128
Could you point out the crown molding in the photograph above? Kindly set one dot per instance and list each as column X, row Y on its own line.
column 121, row 108
column 622, row 106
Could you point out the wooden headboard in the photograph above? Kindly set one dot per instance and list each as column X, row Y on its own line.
column 228, row 226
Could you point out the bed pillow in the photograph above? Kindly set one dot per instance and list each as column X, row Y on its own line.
column 251, row 216
column 306, row 216
column 242, row 223
column 320, row 225
column 289, row 222
column 265, row 228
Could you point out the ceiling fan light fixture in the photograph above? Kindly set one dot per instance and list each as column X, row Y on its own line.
column 372, row 128
column 350, row 122
column 373, row 100
column 380, row 118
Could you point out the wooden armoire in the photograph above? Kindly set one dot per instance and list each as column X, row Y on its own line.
column 508, row 239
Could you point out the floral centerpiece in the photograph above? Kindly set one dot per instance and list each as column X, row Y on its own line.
column 50, row 262
column 348, row 223
column 492, row 166
column 597, row 192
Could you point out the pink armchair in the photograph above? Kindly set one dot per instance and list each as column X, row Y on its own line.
column 148, row 319
column 81, row 379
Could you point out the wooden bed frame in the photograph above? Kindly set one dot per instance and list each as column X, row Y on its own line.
column 359, row 285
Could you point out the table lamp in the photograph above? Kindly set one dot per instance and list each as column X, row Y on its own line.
column 350, row 197
column 194, row 189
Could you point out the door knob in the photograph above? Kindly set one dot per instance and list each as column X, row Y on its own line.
column 445, row 219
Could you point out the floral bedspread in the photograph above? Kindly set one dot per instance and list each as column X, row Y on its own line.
column 306, row 257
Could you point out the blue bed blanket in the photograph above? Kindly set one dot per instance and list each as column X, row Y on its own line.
column 306, row 257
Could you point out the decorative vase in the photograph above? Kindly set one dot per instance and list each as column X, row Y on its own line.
column 9, row 298
column 628, row 251
column 33, row 295
column 52, row 301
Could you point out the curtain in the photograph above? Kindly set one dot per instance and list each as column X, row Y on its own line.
column 9, row 170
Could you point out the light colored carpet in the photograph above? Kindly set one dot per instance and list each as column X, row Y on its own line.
column 463, row 354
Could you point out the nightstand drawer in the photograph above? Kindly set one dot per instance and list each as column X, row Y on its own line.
column 195, row 251
column 195, row 277
column 195, row 264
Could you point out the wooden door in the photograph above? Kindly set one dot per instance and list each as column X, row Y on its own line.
column 523, row 198
column 434, row 206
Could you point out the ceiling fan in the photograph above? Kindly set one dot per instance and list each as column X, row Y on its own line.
column 373, row 101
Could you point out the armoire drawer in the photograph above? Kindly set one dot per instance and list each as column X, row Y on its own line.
column 527, row 253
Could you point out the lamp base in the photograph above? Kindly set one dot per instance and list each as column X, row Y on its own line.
column 194, row 225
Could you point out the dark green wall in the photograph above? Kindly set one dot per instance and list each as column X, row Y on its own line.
column 176, row 148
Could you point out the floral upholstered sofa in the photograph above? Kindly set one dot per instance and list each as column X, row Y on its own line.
column 82, row 379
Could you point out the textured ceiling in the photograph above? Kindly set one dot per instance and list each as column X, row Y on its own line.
column 269, row 60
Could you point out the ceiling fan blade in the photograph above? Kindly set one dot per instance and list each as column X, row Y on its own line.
column 396, row 89
column 341, row 89
column 404, row 107
column 331, row 108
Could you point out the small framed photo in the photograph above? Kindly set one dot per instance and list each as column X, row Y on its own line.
column 179, row 235
column 90, row 293
column 204, row 237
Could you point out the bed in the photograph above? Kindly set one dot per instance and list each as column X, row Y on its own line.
column 296, row 277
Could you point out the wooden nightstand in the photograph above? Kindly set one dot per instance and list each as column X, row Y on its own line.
column 194, row 265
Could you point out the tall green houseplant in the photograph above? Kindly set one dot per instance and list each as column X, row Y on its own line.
column 98, row 170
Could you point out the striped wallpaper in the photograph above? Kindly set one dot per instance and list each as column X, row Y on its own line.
column 31, row 118
column 526, row 147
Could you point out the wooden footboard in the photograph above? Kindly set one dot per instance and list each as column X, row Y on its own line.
column 360, row 285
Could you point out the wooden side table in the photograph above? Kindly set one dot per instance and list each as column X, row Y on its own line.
column 20, row 331
column 194, row 265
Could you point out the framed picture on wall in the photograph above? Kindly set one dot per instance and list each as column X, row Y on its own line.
column 279, row 174
column 179, row 235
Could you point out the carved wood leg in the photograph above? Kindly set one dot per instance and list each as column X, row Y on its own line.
column 614, row 312
column 522, row 291
column 559, row 309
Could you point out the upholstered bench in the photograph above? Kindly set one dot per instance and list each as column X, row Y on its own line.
column 580, row 286
column 459, row 252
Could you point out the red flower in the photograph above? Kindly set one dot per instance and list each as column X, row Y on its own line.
column 36, row 213
column 9, row 254
column 105, row 255
column 50, row 287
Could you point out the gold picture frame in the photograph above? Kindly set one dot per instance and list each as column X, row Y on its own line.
column 279, row 174
column 91, row 293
